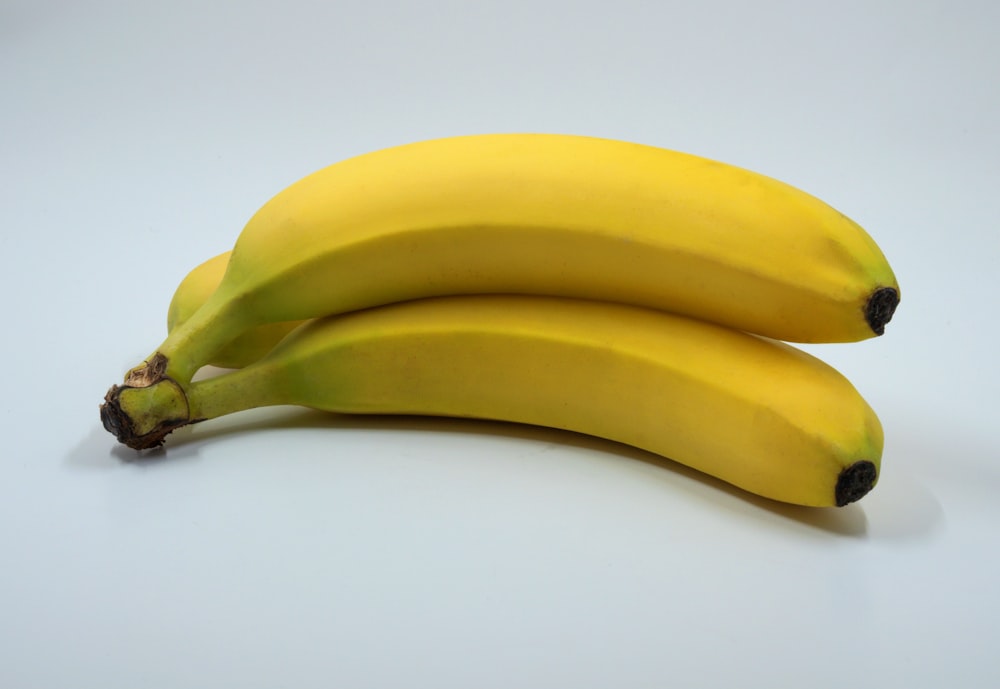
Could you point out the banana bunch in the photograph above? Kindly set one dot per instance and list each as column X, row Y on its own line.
column 609, row 288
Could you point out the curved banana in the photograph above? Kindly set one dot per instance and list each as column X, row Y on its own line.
column 543, row 214
column 196, row 287
column 757, row 413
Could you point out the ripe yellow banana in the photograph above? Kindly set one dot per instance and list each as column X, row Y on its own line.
column 196, row 287
column 543, row 214
column 757, row 413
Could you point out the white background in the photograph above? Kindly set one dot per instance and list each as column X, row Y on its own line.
column 286, row 548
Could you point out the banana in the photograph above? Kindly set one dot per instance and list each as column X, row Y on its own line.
column 754, row 412
column 196, row 287
column 543, row 214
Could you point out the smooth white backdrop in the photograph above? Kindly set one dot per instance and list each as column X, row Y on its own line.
column 286, row 548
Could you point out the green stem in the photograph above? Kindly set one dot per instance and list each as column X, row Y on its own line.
column 193, row 343
column 257, row 385
column 141, row 417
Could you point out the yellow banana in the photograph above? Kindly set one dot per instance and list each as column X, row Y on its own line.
column 195, row 289
column 757, row 413
column 543, row 214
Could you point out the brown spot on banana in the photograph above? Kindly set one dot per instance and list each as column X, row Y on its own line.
column 149, row 373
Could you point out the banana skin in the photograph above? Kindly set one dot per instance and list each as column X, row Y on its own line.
column 544, row 214
column 754, row 412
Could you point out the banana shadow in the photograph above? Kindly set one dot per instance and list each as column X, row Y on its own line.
column 184, row 445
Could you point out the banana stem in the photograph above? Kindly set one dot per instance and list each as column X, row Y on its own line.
column 189, row 346
column 142, row 417
column 257, row 385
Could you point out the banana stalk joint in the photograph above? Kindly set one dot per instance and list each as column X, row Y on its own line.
column 142, row 416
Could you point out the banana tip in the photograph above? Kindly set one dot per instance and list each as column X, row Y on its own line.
column 855, row 482
column 880, row 307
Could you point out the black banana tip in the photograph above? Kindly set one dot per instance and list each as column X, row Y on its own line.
column 855, row 482
column 880, row 307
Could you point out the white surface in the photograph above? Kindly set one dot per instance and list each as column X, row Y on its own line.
column 289, row 549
